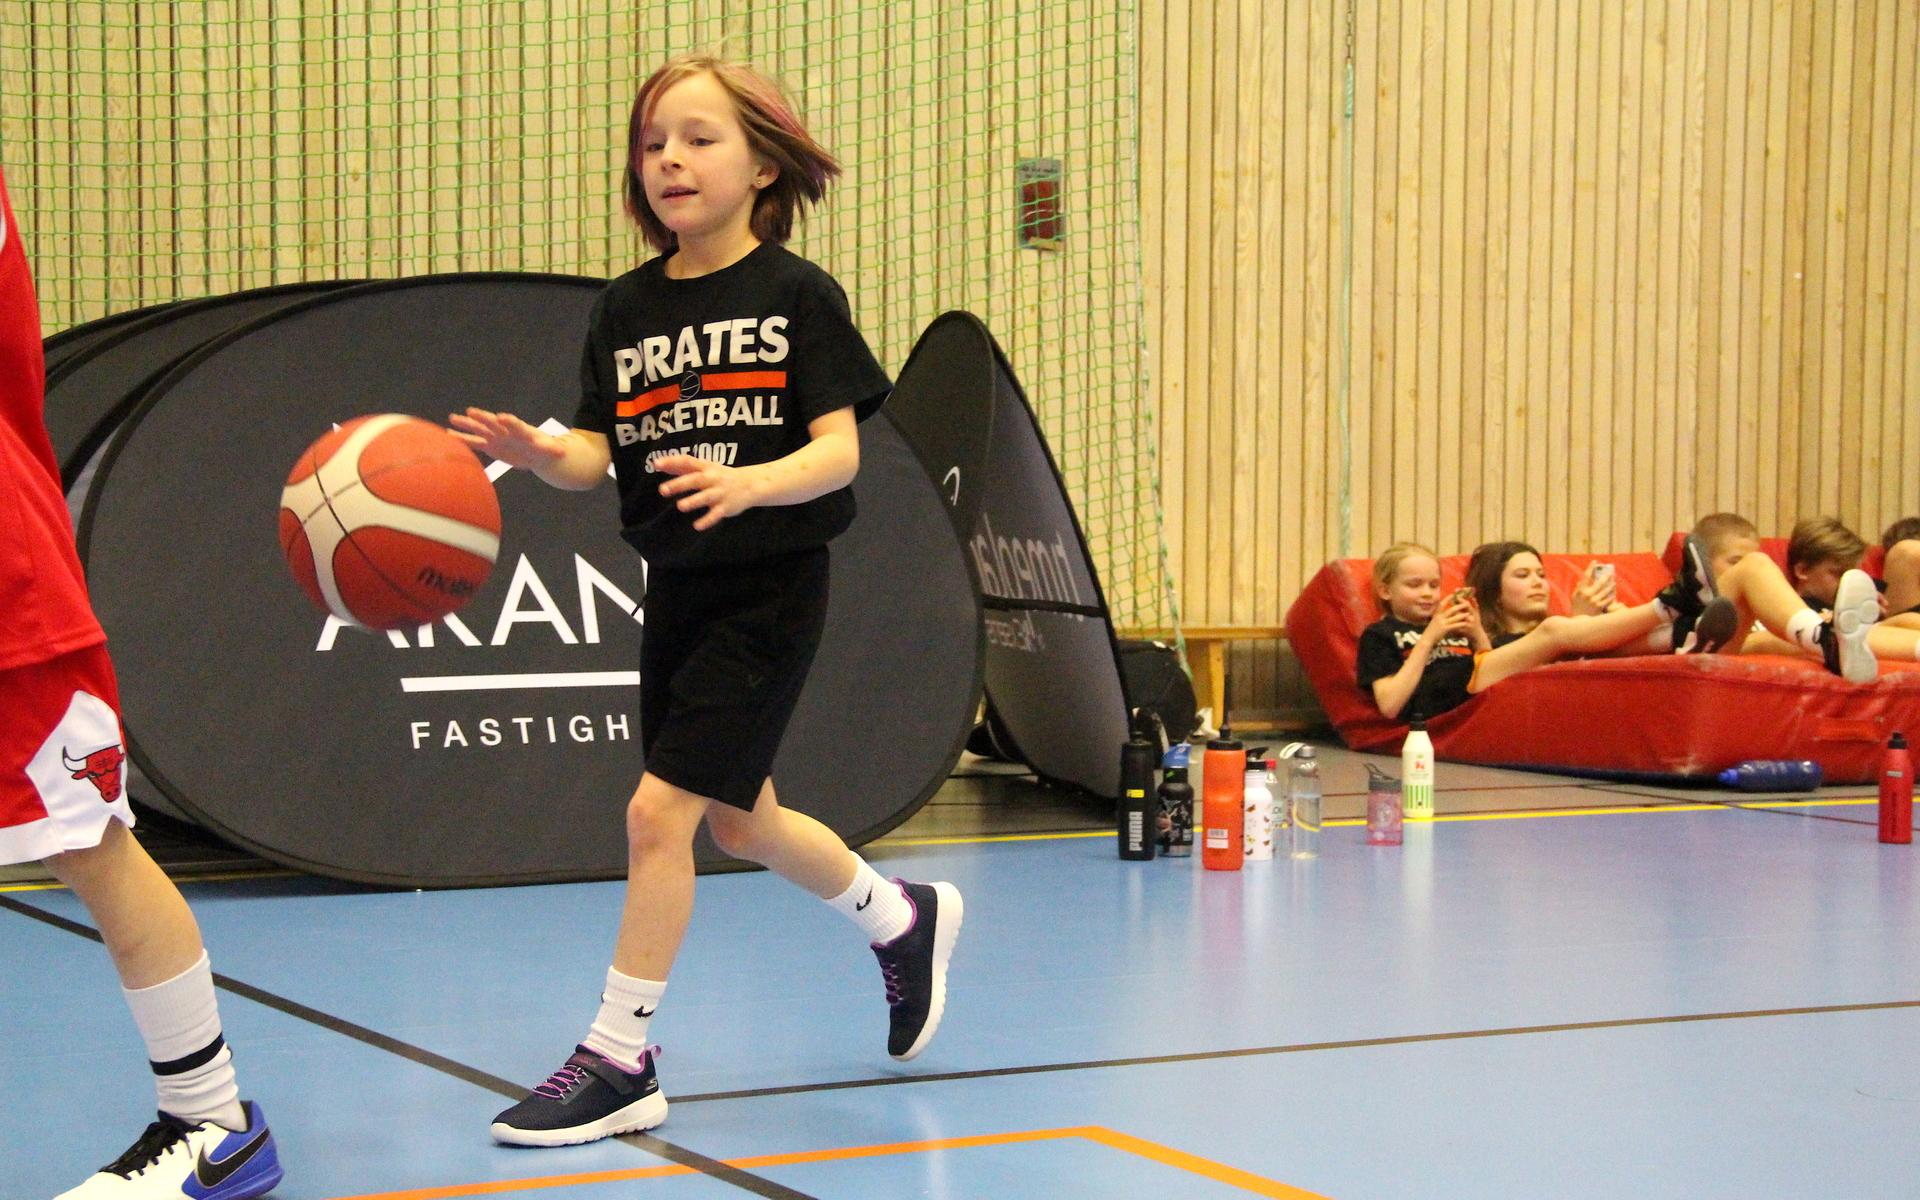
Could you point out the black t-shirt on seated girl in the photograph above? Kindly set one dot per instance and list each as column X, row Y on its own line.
column 1384, row 647
column 729, row 367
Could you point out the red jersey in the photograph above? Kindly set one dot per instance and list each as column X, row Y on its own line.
column 43, row 596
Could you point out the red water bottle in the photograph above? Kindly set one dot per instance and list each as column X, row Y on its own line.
column 1896, row 793
column 1223, row 792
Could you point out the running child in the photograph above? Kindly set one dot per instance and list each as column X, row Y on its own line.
column 723, row 380
column 63, row 801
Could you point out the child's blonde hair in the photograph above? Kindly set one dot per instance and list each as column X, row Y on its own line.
column 1819, row 540
column 773, row 132
column 1387, row 565
column 1717, row 529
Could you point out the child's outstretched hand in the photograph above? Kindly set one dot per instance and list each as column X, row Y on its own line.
column 722, row 490
column 507, row 438
column 1595, row 593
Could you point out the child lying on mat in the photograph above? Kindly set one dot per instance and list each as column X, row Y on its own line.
column 1822, row 605
column 1509, row 583
column 1428, row 653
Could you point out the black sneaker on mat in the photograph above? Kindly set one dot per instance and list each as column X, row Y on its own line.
column 914, row 966
column 588, row 1098
column 1712, row 629
column 1692, row 588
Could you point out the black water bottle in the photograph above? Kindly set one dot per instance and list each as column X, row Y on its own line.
column 1135, row 815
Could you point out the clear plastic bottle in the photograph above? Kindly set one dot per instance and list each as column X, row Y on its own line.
column 1304, row 826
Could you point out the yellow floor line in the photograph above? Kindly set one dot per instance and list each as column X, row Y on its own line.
column 49, row 885
column 1524, row 814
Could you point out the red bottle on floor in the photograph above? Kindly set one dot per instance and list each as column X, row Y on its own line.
column 1896, row 793
column 1223, row 792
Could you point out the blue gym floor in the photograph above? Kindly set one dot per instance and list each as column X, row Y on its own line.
column 1558, row 989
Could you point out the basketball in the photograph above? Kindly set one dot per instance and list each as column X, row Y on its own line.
column 389, row 521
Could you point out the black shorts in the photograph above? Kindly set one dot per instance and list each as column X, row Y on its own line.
column 724, row 652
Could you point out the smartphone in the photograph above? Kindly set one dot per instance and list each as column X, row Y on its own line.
column 1602, row 571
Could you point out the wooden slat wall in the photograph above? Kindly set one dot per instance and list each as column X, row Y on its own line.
column 1616, row 263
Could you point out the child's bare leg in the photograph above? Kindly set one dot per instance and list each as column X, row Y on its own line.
column 1761, row 592
column 1902, row 573
column 1763, row 642
column 1559, row 637
column 661, row 819
column 1897, row 642
column 791, row 844
column 1902, row 620
column 146, row 925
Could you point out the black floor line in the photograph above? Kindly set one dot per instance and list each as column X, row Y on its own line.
column 1296, row 1048
column 446, row 1066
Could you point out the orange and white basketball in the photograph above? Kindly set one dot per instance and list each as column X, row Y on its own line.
column 389, row 521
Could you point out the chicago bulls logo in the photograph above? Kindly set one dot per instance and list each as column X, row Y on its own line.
column 102, row 767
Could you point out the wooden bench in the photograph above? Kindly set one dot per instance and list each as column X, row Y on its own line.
column 1207, row 660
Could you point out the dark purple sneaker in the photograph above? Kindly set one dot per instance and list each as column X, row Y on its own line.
column 915, row 966
column 587, row 1099
column 1712, row 629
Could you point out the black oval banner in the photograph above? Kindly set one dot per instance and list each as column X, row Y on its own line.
column 499, row 745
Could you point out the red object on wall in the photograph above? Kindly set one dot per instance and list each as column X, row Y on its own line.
column 1657, row 715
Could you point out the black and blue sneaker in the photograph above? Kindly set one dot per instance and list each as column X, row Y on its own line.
column 914, row 966
column 588, row 1098
column 195, row 1160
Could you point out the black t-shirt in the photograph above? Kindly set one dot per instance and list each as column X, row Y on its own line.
column 729, row 367
column 1384, row 647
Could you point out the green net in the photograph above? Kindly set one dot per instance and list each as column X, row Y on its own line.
column 161, row 151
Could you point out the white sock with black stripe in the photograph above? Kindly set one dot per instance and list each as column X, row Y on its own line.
column 875, row 904
column 619, row 1032
column 192, row 1067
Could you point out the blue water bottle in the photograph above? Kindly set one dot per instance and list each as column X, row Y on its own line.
column 1772, row 775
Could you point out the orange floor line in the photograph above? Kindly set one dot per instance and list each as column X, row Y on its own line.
column 1259, row 1185
column 1207, row 1168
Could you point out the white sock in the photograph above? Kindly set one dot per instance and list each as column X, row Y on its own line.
column 192, row 1067
column 619, row 1033
column 876, row 905
column 1804, row 627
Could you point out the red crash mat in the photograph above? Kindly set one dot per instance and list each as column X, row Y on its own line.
column 1649, row 716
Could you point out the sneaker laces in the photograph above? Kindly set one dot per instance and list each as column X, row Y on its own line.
column 150, row 1147
column 557, row 1085
column 890, row 972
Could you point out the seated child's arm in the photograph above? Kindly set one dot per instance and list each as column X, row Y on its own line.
column 1391, row 692
column 1458, row 614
